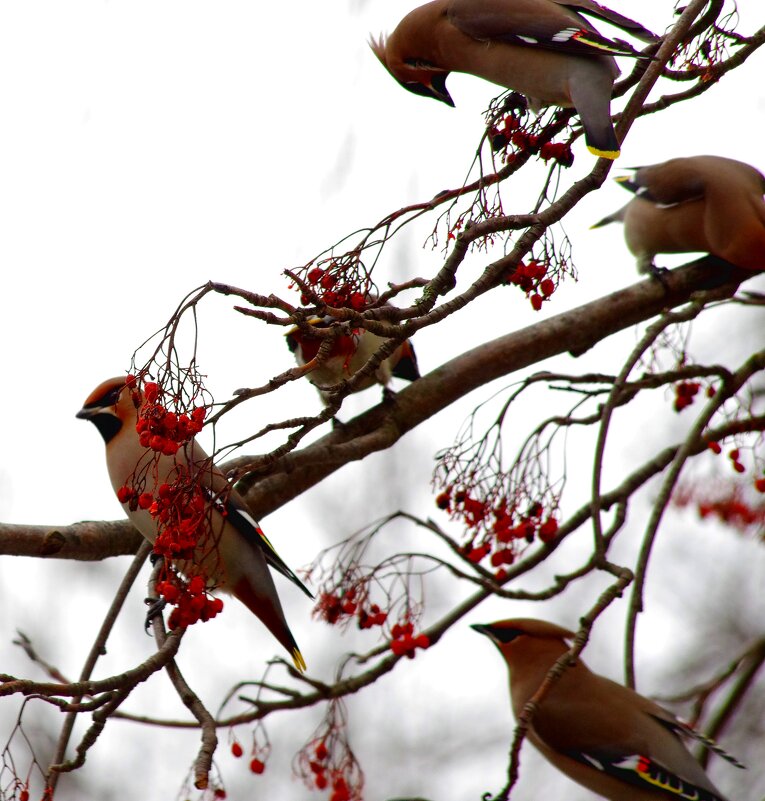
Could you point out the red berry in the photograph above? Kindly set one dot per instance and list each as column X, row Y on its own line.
column 548, row 529
column 257, row 766
column 236, row 749
column 315, row 275
column 759, row 485
column 124, row 494
column 536, row 302
column 145, row 500
column 547, row 287
column 714, row 447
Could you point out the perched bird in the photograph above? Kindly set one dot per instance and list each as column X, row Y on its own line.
column 599, row 733
column 545, row 49
column 349, row 353
column 705, row 204
column 234, row 554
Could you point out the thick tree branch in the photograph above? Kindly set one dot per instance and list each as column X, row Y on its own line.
column 575, row 331
column 383, row 425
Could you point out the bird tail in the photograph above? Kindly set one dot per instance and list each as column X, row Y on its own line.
column 617, row 216
column 272, row 617
column 710, row 745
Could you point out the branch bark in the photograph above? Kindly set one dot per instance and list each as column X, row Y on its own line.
column 383, row 425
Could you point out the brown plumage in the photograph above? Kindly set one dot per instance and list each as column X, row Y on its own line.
column 706, row 204
column 599, row 733
column 543, row 48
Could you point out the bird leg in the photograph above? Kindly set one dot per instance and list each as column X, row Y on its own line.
column 156, row 607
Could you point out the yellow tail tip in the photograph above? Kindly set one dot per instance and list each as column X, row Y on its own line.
column 604, row 154
column 298, row 660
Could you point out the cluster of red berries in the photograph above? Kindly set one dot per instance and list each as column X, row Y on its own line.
column 162, row 430
column 341, row 790
column 734, row 454
column 685, row 394
column 192, row 603
column 257, row 765
column 404, row 642
column 733, row 511
column 328, row 287
column 559, row 151
column 319, row 765
column 333, row 608
column 180, row 508
column 504, row 527
column 531, row 278
column 511, row 131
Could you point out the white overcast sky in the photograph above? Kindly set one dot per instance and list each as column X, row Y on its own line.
column 147, row 147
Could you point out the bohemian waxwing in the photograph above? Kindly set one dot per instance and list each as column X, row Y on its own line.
column 349, row 353
column 542, row 48
column 235, row 553
column 705, row 204
column 599, row 733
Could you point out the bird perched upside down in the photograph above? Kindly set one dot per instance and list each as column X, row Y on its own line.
column 348, row 354
column 225, row 546
column 706, row 204
column 599, row 733
column 545, row 49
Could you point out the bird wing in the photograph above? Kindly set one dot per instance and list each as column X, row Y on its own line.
column 628, row 25
column 668, row 184
column 535, row 23
column 613, row 729
column 232, row 507
column 647, row 774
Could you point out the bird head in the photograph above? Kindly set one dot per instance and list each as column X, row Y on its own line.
column 514, row 636
column 416, row 74
column 308, row 345
column 109, row 406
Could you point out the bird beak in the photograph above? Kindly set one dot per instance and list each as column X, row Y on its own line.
column 435, row 89
column 86, row 414
column 482, row 628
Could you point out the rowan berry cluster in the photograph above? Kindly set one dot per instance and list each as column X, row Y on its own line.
column 258, row 757
column 511, row 130
column 734, row 455
column 405, row 642
column 160, row 429
column 319, row 767
column 327, row 762
column 192, row 603
column 334, row 607
column 334, row 289
column 497, row 529
column 531, row 278
column 729, row 504
column 685, row 394
column 180, row 508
